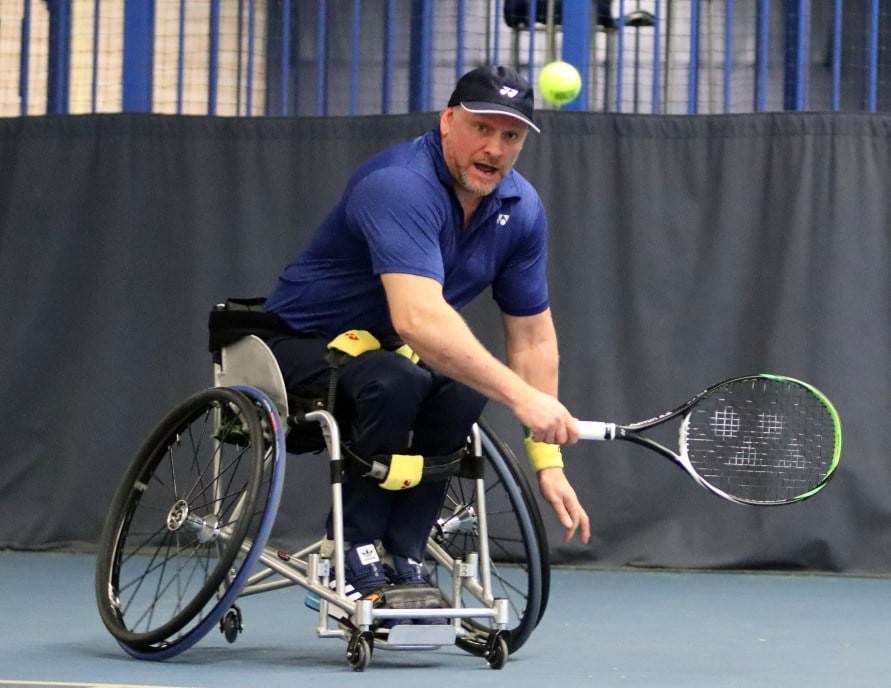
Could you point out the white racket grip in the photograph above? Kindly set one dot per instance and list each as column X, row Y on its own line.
column 595, row 430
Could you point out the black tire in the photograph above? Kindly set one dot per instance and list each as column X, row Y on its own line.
column 496, row 657
column 520, row 565
column 359, row 650
column 171, row 555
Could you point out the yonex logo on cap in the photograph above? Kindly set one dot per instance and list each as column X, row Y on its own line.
column 508, row 91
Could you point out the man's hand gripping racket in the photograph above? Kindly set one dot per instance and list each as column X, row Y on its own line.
column 759, row 439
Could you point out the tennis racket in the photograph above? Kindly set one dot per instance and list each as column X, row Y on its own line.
column 758, row 439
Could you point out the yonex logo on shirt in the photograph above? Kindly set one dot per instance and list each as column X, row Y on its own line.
column 502, row 219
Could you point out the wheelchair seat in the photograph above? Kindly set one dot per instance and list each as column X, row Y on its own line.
column 241, row 357
column 250, row 362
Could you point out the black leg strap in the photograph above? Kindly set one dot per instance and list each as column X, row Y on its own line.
column 402, row 471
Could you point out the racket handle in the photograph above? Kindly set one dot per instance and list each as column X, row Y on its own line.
column 595, row 430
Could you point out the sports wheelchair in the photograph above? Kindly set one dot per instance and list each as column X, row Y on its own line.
column 188, row 531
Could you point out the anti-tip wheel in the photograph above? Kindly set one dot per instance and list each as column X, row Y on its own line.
column 230, row 624
column 496, row 655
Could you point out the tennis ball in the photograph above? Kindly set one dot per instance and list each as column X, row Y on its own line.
column 559, row 83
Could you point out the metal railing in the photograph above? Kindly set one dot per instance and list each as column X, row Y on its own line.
column 351, row 57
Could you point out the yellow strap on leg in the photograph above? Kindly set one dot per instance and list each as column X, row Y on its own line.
column 405, row 472
column 408, row 352
column 405, row 469
column 355, row 342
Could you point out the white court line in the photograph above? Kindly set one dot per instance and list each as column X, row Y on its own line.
column 80, row 684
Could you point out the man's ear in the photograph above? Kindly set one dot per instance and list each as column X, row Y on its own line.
column 445, row 120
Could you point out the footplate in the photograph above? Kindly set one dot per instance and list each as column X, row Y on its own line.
column 417, row 637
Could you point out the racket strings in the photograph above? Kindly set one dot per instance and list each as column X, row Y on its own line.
column 761, row 440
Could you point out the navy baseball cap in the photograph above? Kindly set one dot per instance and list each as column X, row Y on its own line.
column 495, row 91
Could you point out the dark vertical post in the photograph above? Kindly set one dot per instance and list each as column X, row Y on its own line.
column 762, row 47
column 59, row 62
column 354, row 58
column 872, row 55
column 796, row 62
column 657, row 47
column 181, row 57
column 94, row 67
column 728, row 54
column 421, row 49
column 693, row 72
column 389, row 43
column 139, row 35
column 577, row 27
column 322, row 59
column 836, row 55
column 213, row 59
column 24, row 58
column 252, row 25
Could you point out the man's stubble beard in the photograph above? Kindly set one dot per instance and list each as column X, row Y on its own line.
column 467, row 185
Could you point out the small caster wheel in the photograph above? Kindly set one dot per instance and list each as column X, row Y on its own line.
column 359, row 652
column 230, row 624
column 496, row 652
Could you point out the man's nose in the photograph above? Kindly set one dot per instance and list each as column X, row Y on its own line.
column 495, row 147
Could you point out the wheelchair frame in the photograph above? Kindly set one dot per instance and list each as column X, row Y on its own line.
column 185, row 538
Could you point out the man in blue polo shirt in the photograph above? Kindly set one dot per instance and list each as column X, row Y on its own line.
column 421, row 229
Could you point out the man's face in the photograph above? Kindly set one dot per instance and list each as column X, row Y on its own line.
column 480, row 149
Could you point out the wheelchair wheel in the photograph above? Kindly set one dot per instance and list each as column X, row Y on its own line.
column 190, row 520
column 520, row 564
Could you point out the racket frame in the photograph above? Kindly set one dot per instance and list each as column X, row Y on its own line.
column 599, row 430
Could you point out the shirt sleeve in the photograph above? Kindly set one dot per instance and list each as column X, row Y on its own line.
column 401, row 217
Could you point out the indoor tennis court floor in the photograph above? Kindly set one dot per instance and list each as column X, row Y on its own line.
column 602, row 628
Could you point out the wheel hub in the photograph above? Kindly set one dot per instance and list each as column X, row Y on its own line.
column 206, row 529
column 177, row 515
column 463, row 520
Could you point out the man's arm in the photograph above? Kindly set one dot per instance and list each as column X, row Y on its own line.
column 532, row 352
column 442, row 339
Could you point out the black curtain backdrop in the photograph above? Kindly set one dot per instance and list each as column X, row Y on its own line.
column 683, row 250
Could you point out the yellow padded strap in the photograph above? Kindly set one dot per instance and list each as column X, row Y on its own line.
column 408, row 352
column 405, row 472
column 542, row 455
column 355, row 342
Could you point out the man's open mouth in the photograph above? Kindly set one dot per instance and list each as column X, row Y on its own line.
column 486, row 169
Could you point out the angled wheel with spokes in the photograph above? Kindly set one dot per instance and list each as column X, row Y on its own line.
column 189, row 520
column 520, row 566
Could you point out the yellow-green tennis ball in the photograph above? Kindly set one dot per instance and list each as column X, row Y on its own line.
column 559, row 83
